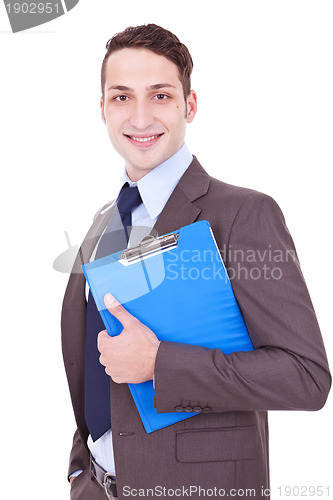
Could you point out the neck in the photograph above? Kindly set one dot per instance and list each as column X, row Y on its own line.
column 136, row 174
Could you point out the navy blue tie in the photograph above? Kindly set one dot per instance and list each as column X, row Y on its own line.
column 97, row 384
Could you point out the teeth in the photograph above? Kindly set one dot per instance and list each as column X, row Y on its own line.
column 143, row 139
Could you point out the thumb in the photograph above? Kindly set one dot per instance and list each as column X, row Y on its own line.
column 117, row 310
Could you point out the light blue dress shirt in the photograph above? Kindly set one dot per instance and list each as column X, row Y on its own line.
column 155, row 189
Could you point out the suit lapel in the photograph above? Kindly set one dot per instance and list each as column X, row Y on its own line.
column 74, row 320
column 180, row 210
column 91, row 239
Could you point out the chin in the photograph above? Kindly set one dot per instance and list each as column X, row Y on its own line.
column 147, row 163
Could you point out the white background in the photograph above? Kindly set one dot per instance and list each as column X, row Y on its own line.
column 263, row 74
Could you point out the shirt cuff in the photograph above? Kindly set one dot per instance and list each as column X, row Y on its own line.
column 154, row 371
column 76, row 473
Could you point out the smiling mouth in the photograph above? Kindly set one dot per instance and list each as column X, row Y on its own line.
column 143, row 140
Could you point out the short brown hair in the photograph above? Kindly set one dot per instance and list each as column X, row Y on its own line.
column 158, row 40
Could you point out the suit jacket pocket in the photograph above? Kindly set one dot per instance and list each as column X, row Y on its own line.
column 217, row 445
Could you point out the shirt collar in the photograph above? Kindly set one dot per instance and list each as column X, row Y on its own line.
column 156, row 187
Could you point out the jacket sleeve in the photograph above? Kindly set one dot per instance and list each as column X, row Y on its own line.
column 79, row 457
column 288, row 369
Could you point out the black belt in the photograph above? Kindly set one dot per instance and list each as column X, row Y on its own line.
column 106, row 480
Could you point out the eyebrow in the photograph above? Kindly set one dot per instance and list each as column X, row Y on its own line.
column 156, row 86
column 121, row 88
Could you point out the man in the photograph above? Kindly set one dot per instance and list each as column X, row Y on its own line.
column 146, row 104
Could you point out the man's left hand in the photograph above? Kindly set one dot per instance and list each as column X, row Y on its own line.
column 130, row 356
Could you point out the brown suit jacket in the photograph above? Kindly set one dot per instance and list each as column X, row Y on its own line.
column 225, row 446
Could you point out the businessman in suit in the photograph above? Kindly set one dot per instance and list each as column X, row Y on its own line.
column 146, row 104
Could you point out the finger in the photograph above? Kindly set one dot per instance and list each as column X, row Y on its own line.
column 118, row 310
column 101, row 338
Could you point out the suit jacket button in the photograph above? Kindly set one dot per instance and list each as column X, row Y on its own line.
column 207, row 409
column 179, row 408
column 188, row 408
column 197, row 408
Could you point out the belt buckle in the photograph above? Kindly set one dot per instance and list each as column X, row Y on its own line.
column 109, row 481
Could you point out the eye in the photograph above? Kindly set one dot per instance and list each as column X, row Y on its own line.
column 161, row 97
column 121, row 98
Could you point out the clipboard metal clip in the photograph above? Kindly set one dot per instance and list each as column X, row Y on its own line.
column 149, row 246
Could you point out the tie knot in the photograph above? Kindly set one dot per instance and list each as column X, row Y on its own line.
column 129, row 198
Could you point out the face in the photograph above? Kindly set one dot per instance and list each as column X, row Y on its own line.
column 144, row 109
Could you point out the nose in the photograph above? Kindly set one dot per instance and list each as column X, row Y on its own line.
column 141, row 116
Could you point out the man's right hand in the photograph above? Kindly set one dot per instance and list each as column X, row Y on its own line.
column 71, row 479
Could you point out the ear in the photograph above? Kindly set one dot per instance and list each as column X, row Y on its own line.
column 101, row 102
column 191, row 104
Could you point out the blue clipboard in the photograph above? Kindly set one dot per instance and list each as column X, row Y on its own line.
column 178, row 286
